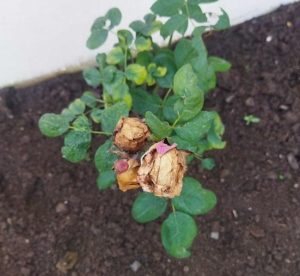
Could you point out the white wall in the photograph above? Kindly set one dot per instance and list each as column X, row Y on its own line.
column 42, row 37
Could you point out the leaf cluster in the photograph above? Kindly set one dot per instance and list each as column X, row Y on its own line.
column 165, row 85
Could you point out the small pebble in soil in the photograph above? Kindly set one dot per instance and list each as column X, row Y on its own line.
column 292, row 161
column 215, row 235
column 250, row 102
column 235, row 213
column 289, row 24
column 230, row 98
column 269, row 38
column 60, row 208
column 283, row 107
column 296, row 185
column 135, row 266
column 186, row 269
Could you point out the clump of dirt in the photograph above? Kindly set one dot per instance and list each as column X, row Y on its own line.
column 49, row 207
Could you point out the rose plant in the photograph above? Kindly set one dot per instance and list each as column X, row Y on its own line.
column 148, row 100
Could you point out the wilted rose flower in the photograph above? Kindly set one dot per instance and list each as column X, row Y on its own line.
column 162, row 170
column 126, row 171
column 131, row 134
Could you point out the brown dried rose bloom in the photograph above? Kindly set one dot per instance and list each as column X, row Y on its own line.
column 126, row 171
column 131, row 134
column 162, row 170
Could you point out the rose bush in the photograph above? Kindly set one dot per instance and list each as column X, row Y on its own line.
column 151, row 109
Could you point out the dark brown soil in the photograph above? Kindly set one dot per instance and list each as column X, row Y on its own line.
column 49, row 207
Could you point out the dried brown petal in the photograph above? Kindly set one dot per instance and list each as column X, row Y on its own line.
column 127, row 180
column 162, row 173
column 131, row 134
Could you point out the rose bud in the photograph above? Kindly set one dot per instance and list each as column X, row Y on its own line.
column 131, row 134
column 126, row 171
column 162, row 170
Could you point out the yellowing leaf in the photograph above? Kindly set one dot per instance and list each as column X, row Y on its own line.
column 136, row 73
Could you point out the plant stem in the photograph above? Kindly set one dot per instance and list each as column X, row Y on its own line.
column 170, row 41
column 125, row 60
column 165, row 98
column 91, row 131
column 176, row 121
column 101, row 132
column 100, row 101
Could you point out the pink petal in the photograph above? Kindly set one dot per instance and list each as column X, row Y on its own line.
column 163, row 148
column 121, row 165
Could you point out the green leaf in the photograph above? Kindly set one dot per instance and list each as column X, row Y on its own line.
column 200, row 62
column 99, row 23
column 215, row 140
column 106, row 179
column 196, row 2
column 104, row 158
column 82, row 123
column 148, row 207
column 159, row 128
column 178, row 232
column 186, row 82
column 53, row 125
column 121, row 94
column 115, row 56
column 144, row 58
column 199, row 31
column 194, row 199
column 215, row 133
column 149, row 17
column 168, row 110
column 76, row 144
column 96, row 115
column 165, row 57
column 138, row 26
column 182, row 143
column 197, row 128
column 125, row 37
column 167, row 7
column 178, row 22
column 146, row 29
column 187, row 108
column 77, row 107
column 196, row 13
column 96, row 38
column 111, row 116
column 92, row 76
column 143, row 44
column 101, row 60
column 219, row 64
column 144, row 101
column 89, row 99
column 68, row 115
column 136, row 73
column 114, row 16
column 208, row 163
column 184, row 52
column 223, row 22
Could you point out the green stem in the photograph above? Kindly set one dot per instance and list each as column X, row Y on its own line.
column 101, row 132
column 188, row 13
column 125, row 60
column 166, row 97
column 176, row 121
column 170, row 41
column 100, row 101
column 91, row 131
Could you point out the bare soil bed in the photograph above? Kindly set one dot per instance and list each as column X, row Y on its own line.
column 49, row 207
